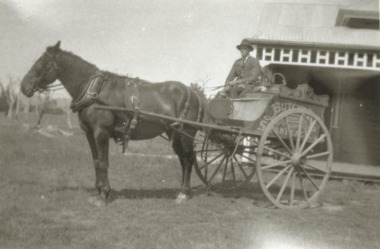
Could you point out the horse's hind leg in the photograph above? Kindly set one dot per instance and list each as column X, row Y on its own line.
column 183, row 147
column 91, row 141
column 101, row 167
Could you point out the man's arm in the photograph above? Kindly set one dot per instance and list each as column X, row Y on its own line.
column 253, row 73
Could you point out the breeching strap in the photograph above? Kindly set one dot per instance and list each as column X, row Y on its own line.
column 135, row 100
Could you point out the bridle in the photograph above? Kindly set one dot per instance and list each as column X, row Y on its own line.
column 51, row 64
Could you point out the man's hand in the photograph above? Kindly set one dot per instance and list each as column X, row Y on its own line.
column 260, row 89
column 236, row 82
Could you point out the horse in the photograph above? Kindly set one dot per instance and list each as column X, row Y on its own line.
column 90, row 87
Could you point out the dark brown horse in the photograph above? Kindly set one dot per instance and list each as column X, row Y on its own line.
column 88, row 86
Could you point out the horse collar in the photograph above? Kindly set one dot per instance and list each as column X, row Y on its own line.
column 89, row 93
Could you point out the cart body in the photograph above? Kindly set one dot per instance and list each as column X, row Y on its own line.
column 255, row 110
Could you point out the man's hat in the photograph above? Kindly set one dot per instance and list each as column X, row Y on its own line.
column 244, row 44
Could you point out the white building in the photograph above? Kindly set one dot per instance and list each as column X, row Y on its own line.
column 334, row 45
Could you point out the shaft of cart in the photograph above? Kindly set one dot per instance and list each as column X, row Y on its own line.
column 231, row 129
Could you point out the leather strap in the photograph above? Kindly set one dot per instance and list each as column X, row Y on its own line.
column 135, row 100
column 90, row 93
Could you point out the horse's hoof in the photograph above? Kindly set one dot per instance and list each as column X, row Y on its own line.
column 181, row 198
column 97, row 201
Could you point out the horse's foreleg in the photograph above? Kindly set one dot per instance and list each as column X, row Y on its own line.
column 94, row 153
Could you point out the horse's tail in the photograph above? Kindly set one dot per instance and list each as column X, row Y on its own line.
column 204, row 115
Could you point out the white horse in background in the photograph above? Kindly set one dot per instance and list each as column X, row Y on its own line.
column 26, row 104
column 64, row 105
column 18, row 103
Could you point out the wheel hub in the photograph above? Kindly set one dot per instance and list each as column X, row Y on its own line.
column 297, row 159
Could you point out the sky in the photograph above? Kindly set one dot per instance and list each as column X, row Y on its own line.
column 156, row 40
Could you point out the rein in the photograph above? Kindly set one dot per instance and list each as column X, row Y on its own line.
column 53, row 88
column 271, row 79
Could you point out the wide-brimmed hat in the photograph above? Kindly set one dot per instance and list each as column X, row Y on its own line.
column 244, row 44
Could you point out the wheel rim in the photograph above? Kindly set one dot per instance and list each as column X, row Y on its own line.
column 224, row 166
column 300, row 162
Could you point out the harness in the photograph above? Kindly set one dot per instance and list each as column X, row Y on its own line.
column 90, row 94
column 135, row 99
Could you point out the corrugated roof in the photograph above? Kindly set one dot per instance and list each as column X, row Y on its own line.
column 314, row 21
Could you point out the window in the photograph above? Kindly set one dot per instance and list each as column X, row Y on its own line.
column 358, row 19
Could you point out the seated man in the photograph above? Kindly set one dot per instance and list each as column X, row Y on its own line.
column 244, row 71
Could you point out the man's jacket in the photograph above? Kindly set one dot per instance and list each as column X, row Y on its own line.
column 249, row 71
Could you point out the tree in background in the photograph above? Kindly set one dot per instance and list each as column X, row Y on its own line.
column 9, row 91
column 3, row 101
column 12, row 100
column 199, row 87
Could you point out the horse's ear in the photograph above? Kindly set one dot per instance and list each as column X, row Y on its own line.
column 55, row 48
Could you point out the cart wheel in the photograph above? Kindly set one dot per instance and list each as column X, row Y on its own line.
column 224, row 165
column 300, row 158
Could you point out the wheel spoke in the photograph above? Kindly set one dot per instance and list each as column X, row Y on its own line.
column 250, row 159
column 289, row 133
column 276, row 164
column 282, row 141
column 302, row 186
column 292, row 189
column 276, row 151
column 313, row 145
column 309, row 177
column 326, row 153
column 313, row 167
column 233, row 171
column 241, row 167
column 308, row 134
column 208, row 163
column 277, row 176
column 225, row 170
column 299, row 131
column 216, row 170
column 284, row 184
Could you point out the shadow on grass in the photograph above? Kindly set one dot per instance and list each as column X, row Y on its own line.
column 74, row 189
column 165, row 193
column 248, row 191
column 251, row 191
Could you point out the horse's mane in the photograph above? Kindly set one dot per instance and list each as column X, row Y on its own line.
column 135, row 80
column 77, row 60
column 83, row 65
column 73, row 60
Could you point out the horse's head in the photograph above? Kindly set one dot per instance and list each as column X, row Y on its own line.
column 42, row 73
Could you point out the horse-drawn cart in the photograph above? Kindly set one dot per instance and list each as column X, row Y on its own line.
column 279, row 134
column 281, row 137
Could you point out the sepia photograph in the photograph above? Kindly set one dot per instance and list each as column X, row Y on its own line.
column 192, row 124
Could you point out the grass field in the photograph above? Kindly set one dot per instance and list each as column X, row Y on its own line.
column 45, row 183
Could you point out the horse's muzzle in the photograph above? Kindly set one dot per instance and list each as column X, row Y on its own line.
column 27, row 89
